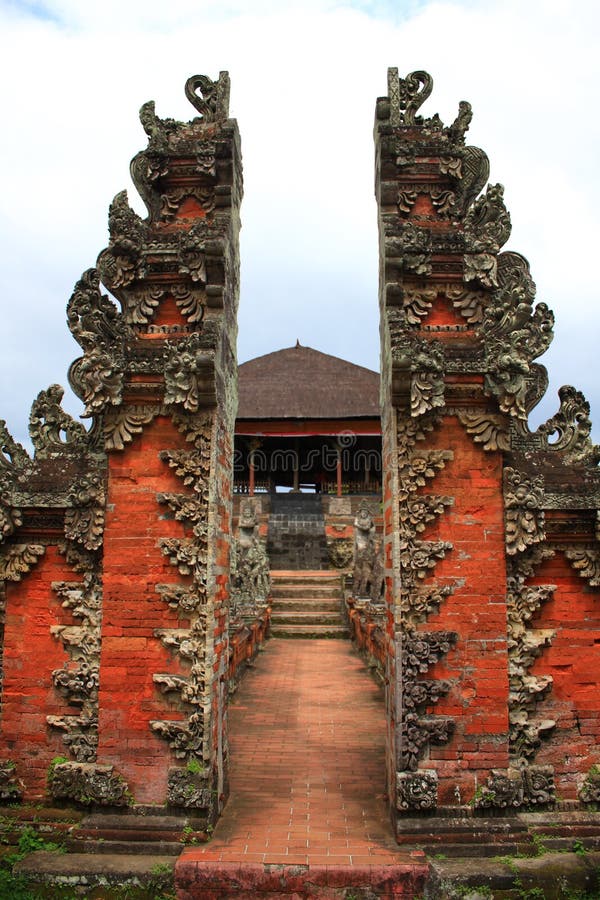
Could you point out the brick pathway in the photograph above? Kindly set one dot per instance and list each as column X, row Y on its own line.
column 307, row 731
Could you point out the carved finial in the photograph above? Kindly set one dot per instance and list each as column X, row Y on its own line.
column 407, row 95
column 213, row 104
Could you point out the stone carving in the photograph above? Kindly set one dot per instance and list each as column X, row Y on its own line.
column 525, row 644
column 417, row 305
column 411, row 251
column 95, row 323
column 249, row 569
column 185, row 370
column 12, row 454
column 11, row 787
column 416, row 790
column 420, row 650
column 419, row 510
column 473, row 173
column 524, row 785
column 407, row 95
column 78, row 679
column 16, row 560
column 188, row 789
column 48, row 422
column 184, row 599
column 487, row 223
column 122, row 262
column 571, row 429
column 367, row 576
column 185, row 737
column 422, row 556
column 481, row 267
column 10, row 517
column 193, row 467
column 213, row 104
column 417, row 602
column 514, row 334
column 84, row 522
column 487, row 429
column 88, row 784
column 589, row 792
column 122, row 425
column 524, row 519
column 468, row 303
column 341, row 553
column 418, row 468
column 586, row 563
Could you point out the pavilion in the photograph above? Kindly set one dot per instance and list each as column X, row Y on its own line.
column 307, row 421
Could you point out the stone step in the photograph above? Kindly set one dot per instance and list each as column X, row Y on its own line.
column 304, row 618
column 309, row 631
column 75, row 872
column 327, row 604
column 125, row 847
column 302, row 591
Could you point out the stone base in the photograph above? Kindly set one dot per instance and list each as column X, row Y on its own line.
column 196, row 878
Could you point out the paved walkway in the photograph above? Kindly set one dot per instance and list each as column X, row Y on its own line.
column 307, row 776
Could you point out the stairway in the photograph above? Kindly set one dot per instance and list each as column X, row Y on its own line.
column 307, row 605
column 296, row 537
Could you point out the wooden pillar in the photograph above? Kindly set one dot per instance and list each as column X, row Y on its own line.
column 338, row 468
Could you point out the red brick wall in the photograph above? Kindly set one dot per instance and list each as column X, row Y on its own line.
column 573, row 661
column 132, row 610
column 476, row 611
column 31, row 654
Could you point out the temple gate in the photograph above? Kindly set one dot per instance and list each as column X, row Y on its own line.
column 121, row 598
column 116, row 539
column 492, row 561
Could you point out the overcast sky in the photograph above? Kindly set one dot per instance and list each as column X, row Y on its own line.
column 73, row 74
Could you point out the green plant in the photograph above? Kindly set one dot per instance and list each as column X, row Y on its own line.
column 579, row 848
column 538, row 843
column 194, row 767
column 188, row 836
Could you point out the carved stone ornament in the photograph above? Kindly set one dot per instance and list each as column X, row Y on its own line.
column 524, row 785
column 525, row 645
column 88, row 784
column 367, row 575
column 16, row 560
column 188, row 373
column 421, row 650
column 341, row 553
column 589, row 792
column 185, row 737
column 13, row 455
column 121, row 426
column 84, row 521
column 487, row 223
column 51, row 429
column 11, row 787
column 524, row 519
column 100, row 329
column 123, row 262
column 514, row 334
column 570, row 429
column 250, row 579
column 586, row 562
column 11, row 518
column 213, row 101
column 188, row 789
column 488, row 429
column 416, row 791
column 77, row 681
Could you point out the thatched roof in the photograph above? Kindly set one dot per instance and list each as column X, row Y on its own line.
column 302, row 383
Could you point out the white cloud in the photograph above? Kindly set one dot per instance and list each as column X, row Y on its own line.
column 304, row 83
